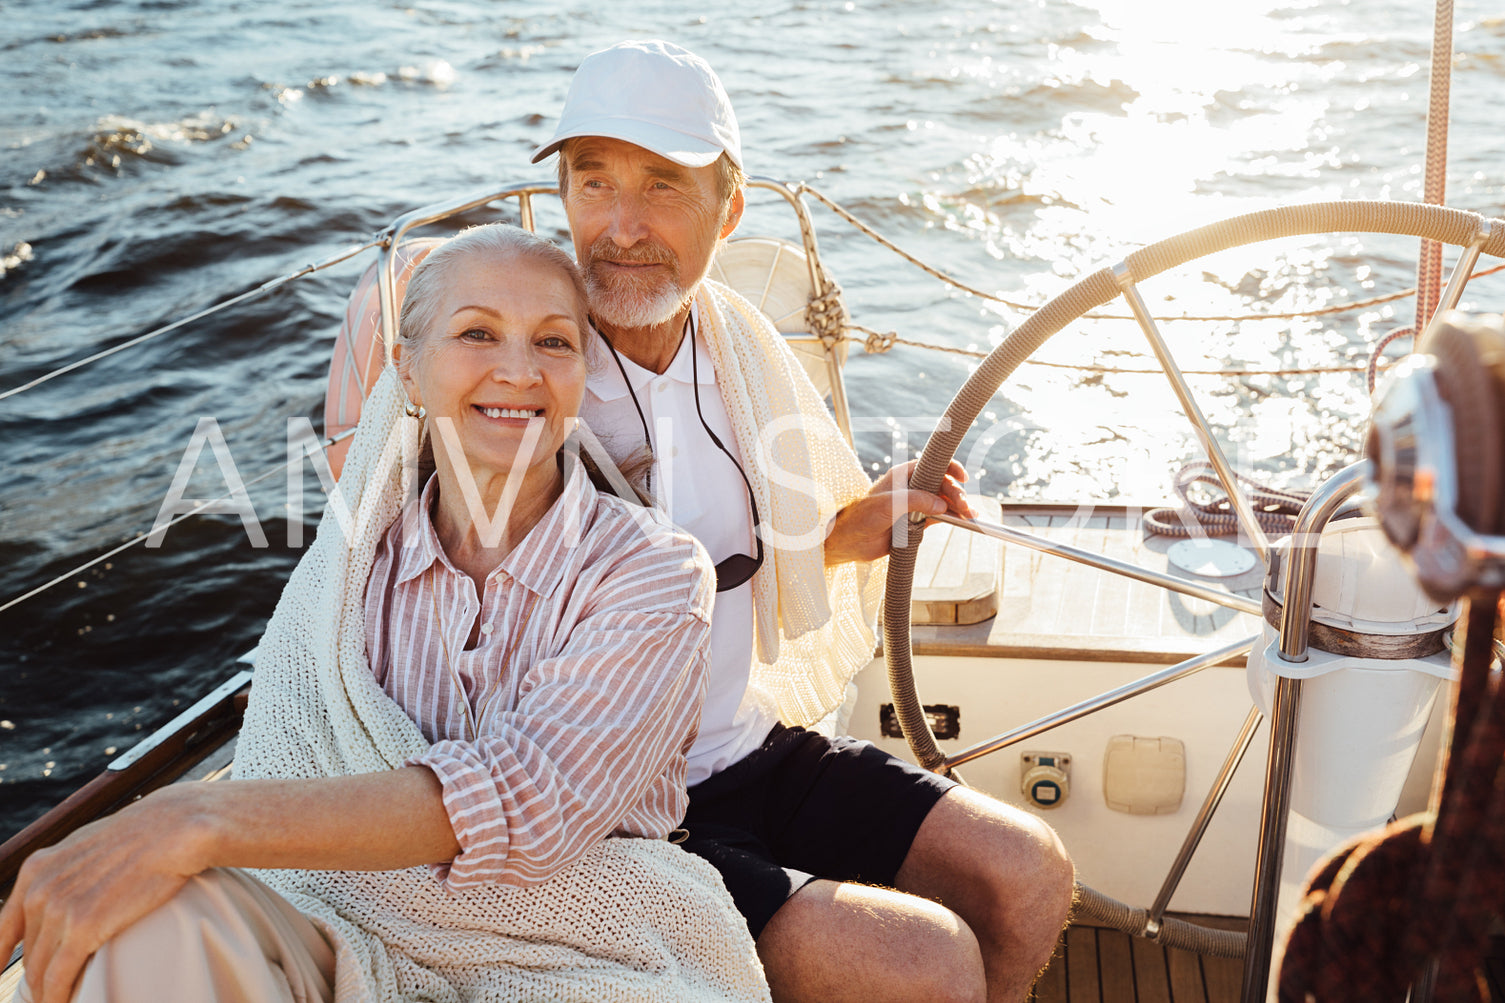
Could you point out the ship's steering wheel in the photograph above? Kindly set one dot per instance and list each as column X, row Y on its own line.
column 1450, row 226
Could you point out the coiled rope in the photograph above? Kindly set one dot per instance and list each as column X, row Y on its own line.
column 1274, row 509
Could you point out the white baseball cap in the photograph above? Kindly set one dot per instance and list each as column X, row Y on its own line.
column 652, row 94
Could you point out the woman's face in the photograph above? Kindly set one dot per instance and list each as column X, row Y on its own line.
column 506, row 350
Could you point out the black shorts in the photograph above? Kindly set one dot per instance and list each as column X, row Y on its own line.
column 802, row 807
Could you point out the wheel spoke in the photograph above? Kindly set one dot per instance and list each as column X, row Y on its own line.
column 1153, row 681
column 1182, row 389
column 1008, row 534
column 1204, row 815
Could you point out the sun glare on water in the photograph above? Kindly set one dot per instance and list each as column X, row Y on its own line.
column 1190, row 115
column 1203, row 100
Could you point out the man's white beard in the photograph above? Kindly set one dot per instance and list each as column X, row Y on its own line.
column 627, row 304
column 624, row 300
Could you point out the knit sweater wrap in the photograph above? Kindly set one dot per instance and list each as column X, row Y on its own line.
column 635, row 919
column 813, row 625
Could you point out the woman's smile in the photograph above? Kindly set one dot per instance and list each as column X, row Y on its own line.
column 509, row 412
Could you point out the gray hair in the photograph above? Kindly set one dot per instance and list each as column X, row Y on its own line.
column 421, row 301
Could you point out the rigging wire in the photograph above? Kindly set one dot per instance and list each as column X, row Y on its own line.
column 882, row 341
column 377, row 241
column 201, row 506
column 972, row 290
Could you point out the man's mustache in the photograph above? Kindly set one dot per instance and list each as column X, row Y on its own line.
column 642, row 253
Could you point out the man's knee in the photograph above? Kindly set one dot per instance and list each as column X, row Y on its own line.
column 990, row 859
column 1047, row 863
column 837, row 941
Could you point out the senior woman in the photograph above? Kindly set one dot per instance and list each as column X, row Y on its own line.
column 453, row 706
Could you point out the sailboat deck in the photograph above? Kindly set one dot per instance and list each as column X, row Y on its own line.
column 1054, row 608
column 1096, row 965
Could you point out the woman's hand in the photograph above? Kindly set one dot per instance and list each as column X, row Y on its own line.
column 71, row 898
column 863, row 531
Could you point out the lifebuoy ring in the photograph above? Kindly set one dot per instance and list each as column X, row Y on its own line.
column 774, row 276
column 771, row 273
column 358, row 354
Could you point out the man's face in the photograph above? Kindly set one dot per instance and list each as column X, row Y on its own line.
column 645, row 229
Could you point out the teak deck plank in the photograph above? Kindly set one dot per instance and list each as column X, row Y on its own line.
column 1051, row 987
column 1081, row 965
column 1223, row 977
column 1099, row 965
column 1078, row 582
column 1151, row 979
column 1110, row 608
column 1115, row 965
column 1187, row 985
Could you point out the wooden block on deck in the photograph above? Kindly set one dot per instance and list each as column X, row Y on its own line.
column 957, row 572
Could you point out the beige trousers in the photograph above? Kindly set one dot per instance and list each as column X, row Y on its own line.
column 225, row 938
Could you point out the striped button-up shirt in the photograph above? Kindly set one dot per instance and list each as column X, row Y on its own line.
column 570, row 718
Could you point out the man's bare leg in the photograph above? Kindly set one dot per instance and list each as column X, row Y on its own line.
column 834, row 941
column 1005, row 873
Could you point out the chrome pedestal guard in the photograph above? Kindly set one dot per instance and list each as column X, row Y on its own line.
column 1295, row 626
column 1475, row 233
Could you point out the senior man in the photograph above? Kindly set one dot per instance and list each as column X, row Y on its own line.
column 861, row 876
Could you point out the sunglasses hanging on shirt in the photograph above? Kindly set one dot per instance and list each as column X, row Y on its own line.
column 737, row 569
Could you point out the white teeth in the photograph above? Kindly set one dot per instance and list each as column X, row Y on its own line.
column 509, row 412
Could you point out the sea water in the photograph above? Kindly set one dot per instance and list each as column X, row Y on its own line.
column 160, row 156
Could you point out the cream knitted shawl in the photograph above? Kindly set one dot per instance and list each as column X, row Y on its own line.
column 814, row 626
column 635, row 919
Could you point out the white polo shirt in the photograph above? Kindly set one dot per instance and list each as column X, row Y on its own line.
column 702, row 492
